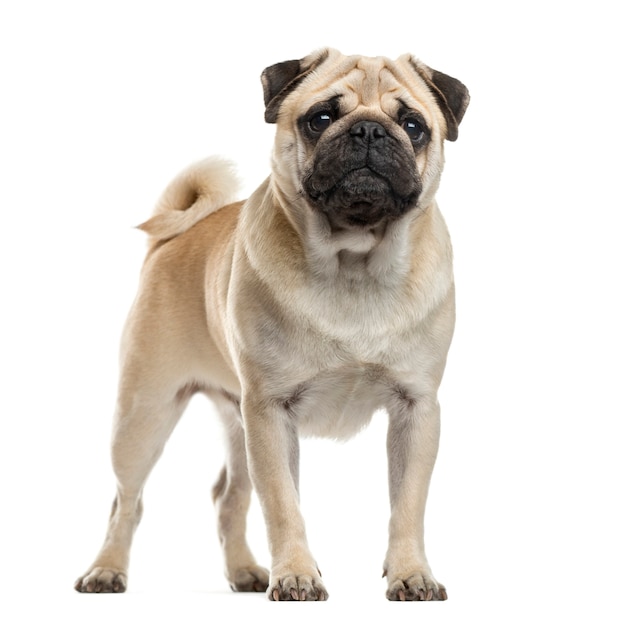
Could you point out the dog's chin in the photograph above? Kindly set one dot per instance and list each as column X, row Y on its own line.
column 358, row 212
column 360, row 215
column 360, row 200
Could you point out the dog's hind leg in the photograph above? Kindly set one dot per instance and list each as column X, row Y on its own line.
column 144, row 421
column 231, row 495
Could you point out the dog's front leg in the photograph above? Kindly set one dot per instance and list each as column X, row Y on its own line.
column 273, row 451
column 412, row 445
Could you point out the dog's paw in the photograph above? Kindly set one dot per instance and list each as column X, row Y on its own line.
column 301, row 587
column 417, row 586
column 101, row 579
column 249, row 579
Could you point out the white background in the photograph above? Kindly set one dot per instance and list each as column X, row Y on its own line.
column 103, row 102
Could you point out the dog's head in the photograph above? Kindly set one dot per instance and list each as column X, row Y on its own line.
column 361, row 138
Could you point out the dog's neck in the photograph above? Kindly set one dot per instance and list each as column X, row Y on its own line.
column 380, row 253
column 345, row 282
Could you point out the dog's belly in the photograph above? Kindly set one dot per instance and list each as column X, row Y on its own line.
column 340, row 403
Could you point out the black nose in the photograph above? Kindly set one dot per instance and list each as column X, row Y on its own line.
column 368, row 130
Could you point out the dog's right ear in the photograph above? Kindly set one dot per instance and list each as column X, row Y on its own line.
column 281, row 79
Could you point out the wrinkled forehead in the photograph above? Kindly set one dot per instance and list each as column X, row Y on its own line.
column 370, row 82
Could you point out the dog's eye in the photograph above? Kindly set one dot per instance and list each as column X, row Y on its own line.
column 319, row 122
column 413, row 129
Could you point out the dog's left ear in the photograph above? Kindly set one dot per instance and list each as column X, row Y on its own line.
column 453, row 97
column 281, row 79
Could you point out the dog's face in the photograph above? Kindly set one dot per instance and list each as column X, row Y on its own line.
column 360, row 138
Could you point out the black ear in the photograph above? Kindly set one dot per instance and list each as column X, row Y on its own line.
column 453, row 97
column 281, row 79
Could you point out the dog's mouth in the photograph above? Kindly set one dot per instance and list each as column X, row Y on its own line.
column 360, row 198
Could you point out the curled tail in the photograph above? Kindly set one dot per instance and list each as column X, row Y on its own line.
column 199, row 190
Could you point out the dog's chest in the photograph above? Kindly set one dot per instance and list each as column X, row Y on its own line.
column 339, row 403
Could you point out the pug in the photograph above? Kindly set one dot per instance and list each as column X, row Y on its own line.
column 324, row 297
